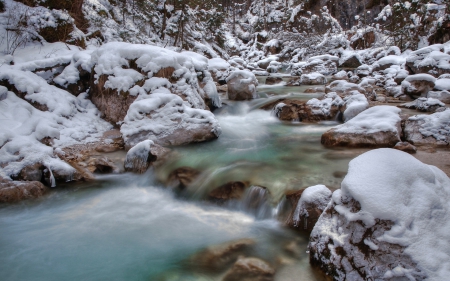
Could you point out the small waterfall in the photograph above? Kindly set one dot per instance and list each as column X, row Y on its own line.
column 255, row 202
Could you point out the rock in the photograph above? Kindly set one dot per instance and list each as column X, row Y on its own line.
column 308, row 205
column 429, row 130
column 142, row 155
column 32, row 172
column 431, row 60
column 271, row 80
column 3, row 93
column 15, row 191
column 388, row 61
column 311, row 111
column 364, row 42
column 343, row 88
column 101, row 165
column 443, row 96
column 350, row 62
column 250, row 269
column 228, row 191
column 165, row 119
column 364, row 234
column 363, row 71
column 378, row 126
column 406, row 147
column 324, row 64
column 341, row 75
column 424, row 104
column 418, row 85
column 111, row 141
column 241, row 85
column 273, row 67
column 218, row 257
column 313, row 90
column 182, row 177
column 314, row 78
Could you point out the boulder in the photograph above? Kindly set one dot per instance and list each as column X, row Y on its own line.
column 350, row 62
column 165, row 119
column 443, row 96
column 424, row 104
column 429, row 130
column 308, row 205
column 271, row 80
column 378, row 126
column 311, row 111
column 218, row 257
column 250, row 269
column 431, row 60
column 343, row 88
column 418, row 85
column 314, row 78
column 365, row 234
column 15, row 191
column 241, row 85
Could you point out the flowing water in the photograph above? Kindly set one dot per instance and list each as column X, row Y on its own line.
column 130, row 227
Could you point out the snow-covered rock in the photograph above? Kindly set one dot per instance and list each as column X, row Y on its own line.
column 166, row 119
column 123, row 71
column 355, row 103
column 313, row 78
column 241, row 85
column 344, row 88
column 142, row 155
column 378, row 126
column 418, row 85
column 363, row 70
column 387, row 62
column 308, row 204
column 389, row 221
column 219, row 69
column 341, row 75
column 324, row 64
column 424, row 104
column 14, row 191
column 433, row 130
column 443, row 96
column 350, row 62
column 442, row 84
column 431, row 60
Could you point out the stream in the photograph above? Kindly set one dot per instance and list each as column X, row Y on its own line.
column 131, row 227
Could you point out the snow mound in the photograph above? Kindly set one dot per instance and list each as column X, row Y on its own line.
column 355, row 104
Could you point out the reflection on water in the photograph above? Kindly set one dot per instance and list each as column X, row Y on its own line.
column 129, row 227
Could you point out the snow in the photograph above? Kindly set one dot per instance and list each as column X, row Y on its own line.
column 382, row 118
column 218, row 63
column 355, row 104
column 319, row 195
column 391, row 59
column 442, row 84
column 436, row 125
column 420, row 77
column 323, row 107
column 423, row 103
column 416, row 197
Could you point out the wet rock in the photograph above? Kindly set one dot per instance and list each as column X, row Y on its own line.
column 15, row 191
column 418, row 85
column 228, row 191
column 182, row 177
column 308, row 204
column 313, row 90
column 241, row 85
column 350, row 62
column 250, row 269
column 218, row 257
column 273, row 80
column 101, row 165
column 406, row 147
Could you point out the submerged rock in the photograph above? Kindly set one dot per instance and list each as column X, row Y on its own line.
column 182, row 177
column 218, row 257
column 384, row 222
column 273, row 80
column 250, row 269
column 15, row 191
column 231, row 190
column 406, row 147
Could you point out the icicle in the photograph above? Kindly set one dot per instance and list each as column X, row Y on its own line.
column 52, row 178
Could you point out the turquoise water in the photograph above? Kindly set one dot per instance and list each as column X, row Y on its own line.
column 130, row 227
